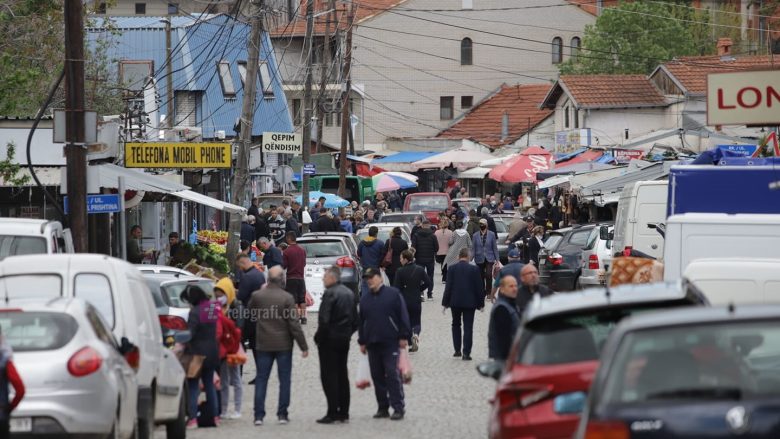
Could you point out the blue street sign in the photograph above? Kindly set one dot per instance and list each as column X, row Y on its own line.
column 740, row 150
column 98, row 203
column 309, row 169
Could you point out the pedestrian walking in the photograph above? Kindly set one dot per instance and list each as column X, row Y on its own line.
column 491, row 223
column 338, row 320
column 394, row 246
column 277, row 327
column 251, row 280
column 346, row 225
column 459, row 240
column 412, row 280
column 417, row 226
column 291, row 223
column 276, row 225
column 229, row 337
column 8, row 376
column 381, row 341
column 324, row 223
column 530, row 287
column 370, row 250
column 202, row 324
column 272, row 256
column 535, row 244
column 473, row 223
column 463, row 294
column 485, row 254
column 443, row 236
column 426, row 245
column 294, row 261
column 513, row 268
column 504, row 320
column 135, row 255
column 248, row 229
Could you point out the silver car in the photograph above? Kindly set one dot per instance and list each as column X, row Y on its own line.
column 77, row 379
column 596, row 259
column 385, row 229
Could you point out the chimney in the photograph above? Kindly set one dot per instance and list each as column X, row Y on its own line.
column 724, row 46
column 505, row 126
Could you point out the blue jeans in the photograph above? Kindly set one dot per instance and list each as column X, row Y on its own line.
column 207, row 376
column 265, row 361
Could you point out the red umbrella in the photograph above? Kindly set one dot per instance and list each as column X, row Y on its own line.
column 523, row 167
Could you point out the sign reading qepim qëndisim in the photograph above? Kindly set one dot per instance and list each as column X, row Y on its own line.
column 177, row 155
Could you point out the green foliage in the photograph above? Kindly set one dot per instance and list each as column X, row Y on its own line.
column 634, row 38
column 9, row 170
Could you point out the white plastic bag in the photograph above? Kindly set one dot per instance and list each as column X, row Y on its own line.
column 363, row 377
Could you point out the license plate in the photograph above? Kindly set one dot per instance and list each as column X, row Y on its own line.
column 21, row 425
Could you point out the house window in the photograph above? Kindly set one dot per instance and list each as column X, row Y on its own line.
column 140, row 9
column 466, row 102
column 466, row 52
column 576, row 117
column 297, row 116
column 446, row 107
column 228, row 87
column 173, row 8
column 557, row 50
column 576, row 43
column 101, row 8
column 468, row 4
column 265, row 80
column 566, row 117
column 187, row 108
column 242, row 72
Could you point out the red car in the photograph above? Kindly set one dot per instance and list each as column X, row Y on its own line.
column 545, row 380
column 430, row 203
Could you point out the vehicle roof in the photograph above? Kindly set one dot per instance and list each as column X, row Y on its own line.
column 724, row 218
column 596, row 298
column 387, row 225
column 565, row 230
column 23, row 226
column 159, row 277
column 467, row 199
column 408, row 212
column 338, row 236
column 427, row 193
column 158, row 269
column 57, row 304
column 51, row 263
column 700, row 315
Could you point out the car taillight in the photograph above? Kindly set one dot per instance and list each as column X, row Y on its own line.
column 133, row 358
column 345, row 262
column 173, row 322
column 627, row 250
column 84, row 362
column 606, row 430
column 515, row 398
column 593, row 262
column 555, row 259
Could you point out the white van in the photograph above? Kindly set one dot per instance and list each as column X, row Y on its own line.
column 118, row 290
column 640, row 204
column 694, row 236
column 21, row 236
column 736, row 280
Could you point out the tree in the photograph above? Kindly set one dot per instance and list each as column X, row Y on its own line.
column 633, row 38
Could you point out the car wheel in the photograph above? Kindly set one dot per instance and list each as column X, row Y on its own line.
column 146, row 426
column 177, row 429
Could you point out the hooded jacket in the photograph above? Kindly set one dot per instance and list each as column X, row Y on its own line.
column 228, row 334
column 371, row 251
column 426, row 246
column 460, row 239
column 226, row 285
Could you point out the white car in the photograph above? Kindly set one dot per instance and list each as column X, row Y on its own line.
column 118, row 291
column 21, row 236
column 596, row 258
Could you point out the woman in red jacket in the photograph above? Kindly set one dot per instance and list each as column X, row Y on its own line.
column 229, row 338
column 8, row 376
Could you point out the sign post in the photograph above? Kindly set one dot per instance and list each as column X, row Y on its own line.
column 178, row 155
column 309, row 169
column 283, row 143
column 107, row 203
column 744, row 98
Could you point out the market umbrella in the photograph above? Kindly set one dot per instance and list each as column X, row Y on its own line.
column 331, row 201
column 461, row 159
column 523, row 167
column 405, row 175
column 386, row 182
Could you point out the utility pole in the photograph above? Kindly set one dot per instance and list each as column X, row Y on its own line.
column 324, row 73
column 307, row 110
column 169, row 72
column 240, row 174
column 75, row 149
column 346, row 122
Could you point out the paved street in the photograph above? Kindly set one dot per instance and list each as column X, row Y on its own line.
column 446, row 395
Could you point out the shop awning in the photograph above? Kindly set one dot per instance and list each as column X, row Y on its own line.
column 555, row 181
column 461, row 159
column 576, row 168
column 478, row 172
column 523, row 168
column 403, row 161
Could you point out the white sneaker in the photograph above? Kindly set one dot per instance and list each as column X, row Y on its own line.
column 258, row 422
column 234, row 415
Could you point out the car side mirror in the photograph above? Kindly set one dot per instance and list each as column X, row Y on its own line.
column 491, row 369
column 658, row 227
column 125, row 346
column 605, row 234
column 131, row 353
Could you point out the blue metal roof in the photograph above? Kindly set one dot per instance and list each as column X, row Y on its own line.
column 198, row 44
column 406, row 157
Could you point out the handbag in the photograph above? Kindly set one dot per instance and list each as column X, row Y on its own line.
column 388, row 259
column 192, row 364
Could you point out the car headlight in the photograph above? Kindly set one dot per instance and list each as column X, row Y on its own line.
column 569, row 403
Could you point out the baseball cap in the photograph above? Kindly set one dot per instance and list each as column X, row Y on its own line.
column 483, row 221
column 370, row 272
column 513, row 254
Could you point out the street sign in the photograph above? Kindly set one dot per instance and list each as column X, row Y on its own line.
column 309, row 169
column 178, row 155
column 740, row 150
column 626, row 155
column 571, row 140
column 283, row 143
column 283, row 174
column 98, row 203
column 744, row 98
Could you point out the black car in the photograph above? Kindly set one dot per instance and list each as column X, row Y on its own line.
column 693, row 373
column 559, row 259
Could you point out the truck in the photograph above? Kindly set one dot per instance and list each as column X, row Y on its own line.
column 429, row 203
column 358, row 188
column 640, row 204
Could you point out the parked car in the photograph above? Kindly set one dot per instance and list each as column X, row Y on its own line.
column 79, row 380
column 323, row 251
column 596, row 258
column 640, row 204
column 118, row 291
column 712, row 372
column 401, row 217
column 173, row 312
column 385, row 230
column 351, row 240
column 503, row 233
column 21, row 236
column 560, row 258
column 171, row 272
column 430, row 203
column 469, row 203
column 553, row 359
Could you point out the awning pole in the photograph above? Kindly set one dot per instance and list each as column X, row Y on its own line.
column 122, row 226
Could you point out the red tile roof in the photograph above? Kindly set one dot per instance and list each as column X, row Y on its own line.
column 483, row 123
column 607, row 91
column 691, row 72
column 590, row 7
column 366, row 9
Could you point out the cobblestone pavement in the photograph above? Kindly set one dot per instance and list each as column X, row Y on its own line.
column 446, row 399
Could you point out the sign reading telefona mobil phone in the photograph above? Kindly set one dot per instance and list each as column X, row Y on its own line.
column 283, row 143
column 177, row 155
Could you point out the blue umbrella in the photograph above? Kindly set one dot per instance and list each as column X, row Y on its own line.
column 331, row 201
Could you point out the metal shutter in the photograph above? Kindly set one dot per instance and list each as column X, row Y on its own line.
column 186, row 102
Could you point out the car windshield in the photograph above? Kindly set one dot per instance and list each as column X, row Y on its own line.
column 37, row 331
column 428, row 202
column 323, row 249
column 734, row 360
column 172, row 292
column 21, row 245
column 552, row 241
column 500, row 225
column 30, row 286
column 573, row 338
column 399, row 217
column 383, row 236
column 468, row 204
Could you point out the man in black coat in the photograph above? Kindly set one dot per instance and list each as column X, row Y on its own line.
column 272, row 256
column 464, row 294
column 338, row 320
column 504, row 320
column 426, row 246
column 411, row 279
column 324, row 223
column 530, row 277
column 491, row 222
column 248, row 229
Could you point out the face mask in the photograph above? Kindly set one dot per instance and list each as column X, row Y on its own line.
column 482, row 227
column 222, row 300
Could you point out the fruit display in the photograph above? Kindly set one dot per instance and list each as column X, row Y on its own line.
column 213, row 237
column 204, row 255
column 217, row 248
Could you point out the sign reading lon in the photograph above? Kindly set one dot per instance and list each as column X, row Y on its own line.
column 745, row 98
column 177, row 155
column 283, row 143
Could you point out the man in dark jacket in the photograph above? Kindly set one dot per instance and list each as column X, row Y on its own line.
column 272, row 256
column 324, row 223
column 464, row 294
column 384, row 328
column 426, row 246
column 290, row 223
column 491, row 222
column 248, row 229
column 531, row 286
column 504, row 320
column 261, row 227
column 338, row 319
column 524, row 235
column 370, row 250
column 411, row 279
column 251, row 280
